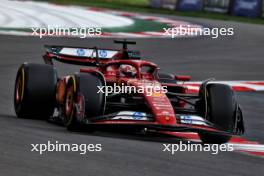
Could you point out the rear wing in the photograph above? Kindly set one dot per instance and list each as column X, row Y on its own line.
column 85, row 56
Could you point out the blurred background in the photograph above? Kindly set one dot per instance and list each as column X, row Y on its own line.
column 219, row 9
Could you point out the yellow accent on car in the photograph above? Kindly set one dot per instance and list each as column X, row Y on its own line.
column 74, row 83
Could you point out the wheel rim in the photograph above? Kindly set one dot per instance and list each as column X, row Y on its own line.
column 69, row 104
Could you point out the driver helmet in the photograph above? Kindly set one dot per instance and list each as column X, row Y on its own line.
column 128, row 71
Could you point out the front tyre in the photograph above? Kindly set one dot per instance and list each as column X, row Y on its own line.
column 222, row 108
column 82, row 92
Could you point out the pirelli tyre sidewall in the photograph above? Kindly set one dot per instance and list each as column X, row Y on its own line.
column 84, row 84
column 222, row 107
column 34, row 93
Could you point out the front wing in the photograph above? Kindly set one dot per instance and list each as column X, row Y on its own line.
column 146, row 123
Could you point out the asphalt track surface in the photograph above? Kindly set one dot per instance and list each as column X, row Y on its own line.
column 235, row 58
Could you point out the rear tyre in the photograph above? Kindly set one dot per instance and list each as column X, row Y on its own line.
column 83, row 85
column 222, row 107
column 34, row 95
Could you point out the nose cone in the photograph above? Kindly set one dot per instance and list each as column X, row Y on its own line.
column 162, row 109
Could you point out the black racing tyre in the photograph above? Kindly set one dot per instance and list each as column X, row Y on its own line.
column 222, row 108
column 167, row 78
column 34, row 95
column 84, row 84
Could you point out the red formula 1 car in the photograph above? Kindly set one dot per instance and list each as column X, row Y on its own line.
column 119, row 90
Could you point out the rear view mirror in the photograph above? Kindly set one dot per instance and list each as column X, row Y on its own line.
column 182, row 78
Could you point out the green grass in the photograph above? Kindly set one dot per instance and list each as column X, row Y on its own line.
column 139, row 26
column 142, row 6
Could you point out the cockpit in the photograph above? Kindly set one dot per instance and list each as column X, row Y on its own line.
column 130, row 69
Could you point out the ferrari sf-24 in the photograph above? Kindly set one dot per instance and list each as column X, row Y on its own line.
column 213, row 112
